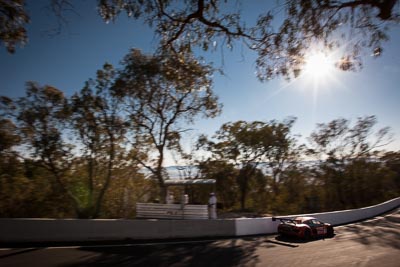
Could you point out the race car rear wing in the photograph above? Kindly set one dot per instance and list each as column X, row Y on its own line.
column 284, row 220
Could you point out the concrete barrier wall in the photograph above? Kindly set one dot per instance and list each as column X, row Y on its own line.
column 265, row 225
column 47, row 230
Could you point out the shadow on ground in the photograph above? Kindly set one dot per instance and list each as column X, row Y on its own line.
column 201, row 254
column 380, row 232
column 295, row 240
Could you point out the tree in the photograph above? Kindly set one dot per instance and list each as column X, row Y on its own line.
column 283, row 152
column 163, row 94
column 249, row 144
column 25, row 190
column 181, row 27
column 97, row 126
column 8, row 139
column 294, row 189
column 392, row 162
column 77, row 140
column 346, row 161
column 338, row 141
column 13, row 18
column 12, row 181
column 366, row 182
column 40, row 119
column 352, row 25
column 225, row 175
column 128, row 186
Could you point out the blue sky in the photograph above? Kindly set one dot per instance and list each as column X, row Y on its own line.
column 67, row 60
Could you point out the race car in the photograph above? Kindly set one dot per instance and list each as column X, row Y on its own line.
column 305, row 228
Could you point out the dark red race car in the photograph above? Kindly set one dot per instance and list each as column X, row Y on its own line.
column 304, row 227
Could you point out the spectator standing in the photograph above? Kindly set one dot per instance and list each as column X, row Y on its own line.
column 212, row 206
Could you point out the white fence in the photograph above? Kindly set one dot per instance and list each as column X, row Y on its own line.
column 44, row 230
column 171, row 211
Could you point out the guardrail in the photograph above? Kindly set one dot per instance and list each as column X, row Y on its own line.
column 48, row 230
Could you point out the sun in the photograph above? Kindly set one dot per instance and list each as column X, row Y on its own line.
column 319, row 74
column 318, row 66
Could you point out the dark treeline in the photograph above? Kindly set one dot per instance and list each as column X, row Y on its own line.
column 83, row 155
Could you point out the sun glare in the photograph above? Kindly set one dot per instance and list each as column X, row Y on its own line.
column 318, row 66
column 319, row 74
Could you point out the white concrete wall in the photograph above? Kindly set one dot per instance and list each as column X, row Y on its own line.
column 45, row 230
column 42, row 230
column 255, row 226
column 267, row 226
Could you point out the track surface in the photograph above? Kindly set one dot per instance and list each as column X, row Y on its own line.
column 374, row 242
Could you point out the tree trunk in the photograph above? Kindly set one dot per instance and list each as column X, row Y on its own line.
column 243, row 181
column 243, row 196
column 163, row 193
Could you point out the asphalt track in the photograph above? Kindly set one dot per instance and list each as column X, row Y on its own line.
column 375, row 242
